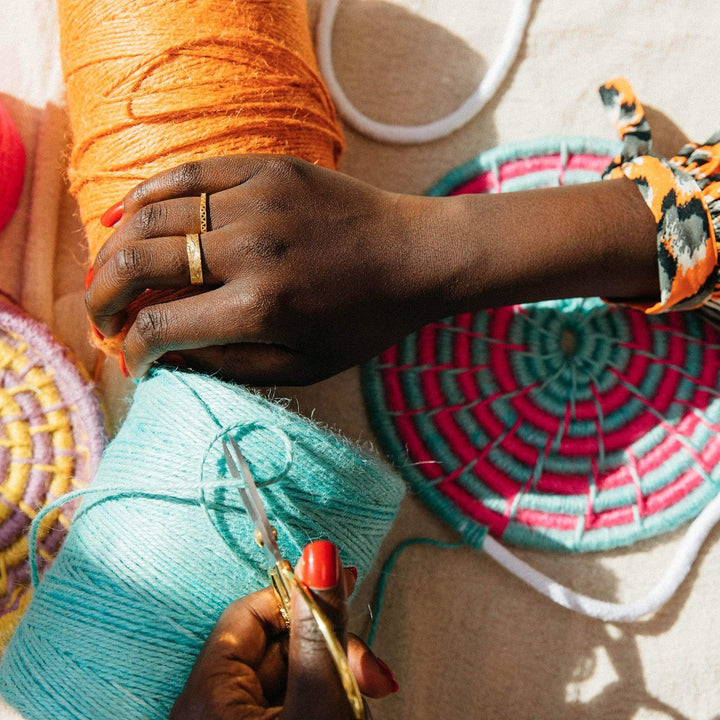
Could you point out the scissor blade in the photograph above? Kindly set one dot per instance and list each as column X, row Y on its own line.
column 251, row 498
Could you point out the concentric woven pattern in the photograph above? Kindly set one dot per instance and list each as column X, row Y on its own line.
column 569, row 425
column 51, row 438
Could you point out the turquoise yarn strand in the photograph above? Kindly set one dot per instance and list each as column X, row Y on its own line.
column 161, row 545
column 387, row 569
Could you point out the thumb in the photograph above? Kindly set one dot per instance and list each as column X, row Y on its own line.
column 314, row 689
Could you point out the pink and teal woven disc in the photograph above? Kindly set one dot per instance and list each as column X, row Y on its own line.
column 568, row 425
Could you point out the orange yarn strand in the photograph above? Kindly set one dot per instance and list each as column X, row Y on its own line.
column 155, row 83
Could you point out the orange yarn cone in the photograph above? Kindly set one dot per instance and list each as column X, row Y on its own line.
column 155, row 83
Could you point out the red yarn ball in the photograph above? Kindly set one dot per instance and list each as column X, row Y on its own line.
column 12, row 166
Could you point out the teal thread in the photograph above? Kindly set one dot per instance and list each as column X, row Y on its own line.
column 388, row 568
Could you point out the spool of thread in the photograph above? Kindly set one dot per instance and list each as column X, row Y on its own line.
column 162, row 545
column 12, row 166
column 155, row 83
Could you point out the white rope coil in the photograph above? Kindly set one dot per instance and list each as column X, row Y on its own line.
column 609, row 611
column 417, row 134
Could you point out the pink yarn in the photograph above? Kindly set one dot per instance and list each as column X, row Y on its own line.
column 492, row 180
column 12, row 166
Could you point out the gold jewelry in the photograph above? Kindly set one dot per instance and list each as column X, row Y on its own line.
column 280, row 583
column 203, row 213
column 192, row 241
column 334, row 647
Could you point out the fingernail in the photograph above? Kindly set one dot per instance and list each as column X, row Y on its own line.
column 353, row 571
column 321, row 565
column 112, row 214
column 89, row 277
column 173, row 359
column 96, row 332
column 123, row 366
column 388, row 674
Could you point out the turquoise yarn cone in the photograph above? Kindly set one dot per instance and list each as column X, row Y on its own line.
column 161, row 545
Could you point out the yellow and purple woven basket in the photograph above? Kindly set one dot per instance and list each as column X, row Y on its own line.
column 51, row 439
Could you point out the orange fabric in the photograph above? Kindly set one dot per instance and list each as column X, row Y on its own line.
column 703, row 163
column 689, row 276
column 155, row 83
column 682, row 195
column 630, row 113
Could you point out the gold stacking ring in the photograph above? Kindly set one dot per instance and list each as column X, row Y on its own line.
column 203, row 213
column 194, row 254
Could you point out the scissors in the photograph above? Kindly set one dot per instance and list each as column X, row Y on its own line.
column 282, row 575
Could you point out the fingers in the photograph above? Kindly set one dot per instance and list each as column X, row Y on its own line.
column 242, row 621
column 161, row 264
column 374, row 677
column 209, row 318
column 177, row 216
column 209, row 176
column 314, row 690
column 157, row 264
column 244, row 662
column 192, row 178
column 256, row 364
column 173, row 217
column 252, row 631
column 152, row 254
column 244, row 641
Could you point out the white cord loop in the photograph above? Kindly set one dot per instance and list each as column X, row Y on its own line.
column 609, row 611
column 417, row 134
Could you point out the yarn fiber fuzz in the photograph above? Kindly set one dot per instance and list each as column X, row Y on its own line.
column 161, row 545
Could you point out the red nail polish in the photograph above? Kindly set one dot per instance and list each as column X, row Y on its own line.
column 112, row 214
column 96, row 332
column 173, row 359
column 353, row 571
column 389, row 674
column 123, row 366
column 89, row 277
column 321, row 565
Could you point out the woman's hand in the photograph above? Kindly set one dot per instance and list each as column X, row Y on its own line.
column 306, row 271
column 245, row 671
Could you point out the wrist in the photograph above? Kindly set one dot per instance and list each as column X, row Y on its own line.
column 502, row 249
column 437, row 264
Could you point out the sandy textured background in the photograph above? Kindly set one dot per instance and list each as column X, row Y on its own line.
column 466, row 639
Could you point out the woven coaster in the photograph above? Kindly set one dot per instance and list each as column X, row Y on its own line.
column 51, row 438
column 566, row 425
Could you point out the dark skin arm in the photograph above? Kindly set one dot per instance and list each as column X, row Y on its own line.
column 309, row 271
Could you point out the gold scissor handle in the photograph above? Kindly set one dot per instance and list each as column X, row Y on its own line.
column 283, row 579
column 282, row 588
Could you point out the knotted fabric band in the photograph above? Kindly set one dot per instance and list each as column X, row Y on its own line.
column 683, row 195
